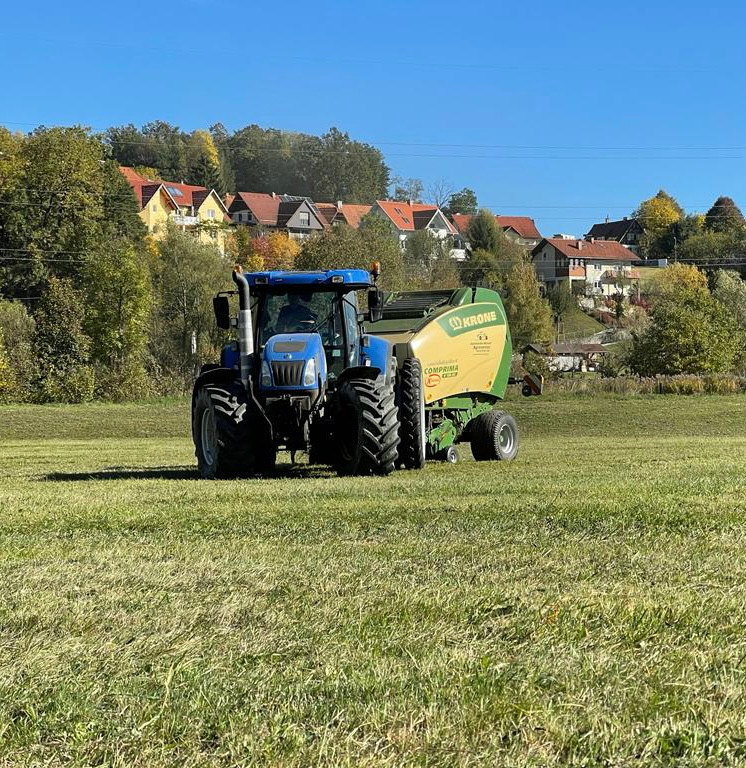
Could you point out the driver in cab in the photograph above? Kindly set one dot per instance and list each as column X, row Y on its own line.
column 296, row 316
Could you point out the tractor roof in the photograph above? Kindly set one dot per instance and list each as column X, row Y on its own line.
column 330, row 279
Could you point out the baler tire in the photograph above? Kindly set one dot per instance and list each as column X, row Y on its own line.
column 221, row 435
column 494, row 436
column 368, row 428
column 411, row 415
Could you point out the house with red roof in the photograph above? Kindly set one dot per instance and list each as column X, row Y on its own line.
column 193, row 208
column 520, row 229
column 298, row 216
column 409, row 217
column 590, row 267
column 343, row 213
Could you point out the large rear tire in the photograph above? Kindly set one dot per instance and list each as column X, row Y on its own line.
column 494, row 436
column 411, row 415
column 224, row 443
column 367, row 429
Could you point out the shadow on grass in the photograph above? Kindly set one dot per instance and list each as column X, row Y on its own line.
column 284, row 471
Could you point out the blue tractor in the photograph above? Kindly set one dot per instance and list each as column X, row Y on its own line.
column 302, row 375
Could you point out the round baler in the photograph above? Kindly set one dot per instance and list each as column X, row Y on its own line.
column 453, row 353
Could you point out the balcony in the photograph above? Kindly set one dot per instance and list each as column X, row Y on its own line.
column 185, row 221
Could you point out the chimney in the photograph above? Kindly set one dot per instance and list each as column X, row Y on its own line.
column 625, row 218
column 410, row 203
column 580, row 245
column 339, row 204
column 274, row 195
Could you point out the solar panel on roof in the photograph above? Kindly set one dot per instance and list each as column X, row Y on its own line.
column 174, row 191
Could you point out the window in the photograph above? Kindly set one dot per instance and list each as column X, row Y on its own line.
column 154, row 208
column 304, row 219
column 211, row 214
column 213, row 234
column 240, row 217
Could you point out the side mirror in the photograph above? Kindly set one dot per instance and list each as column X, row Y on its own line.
column 222, row 310
column 375, row 304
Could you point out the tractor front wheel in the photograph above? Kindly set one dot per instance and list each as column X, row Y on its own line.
column 222, row 439
column 367, row 428
column 494, row 436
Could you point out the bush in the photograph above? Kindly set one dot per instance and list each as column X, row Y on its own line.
column 7, row 379
column 128, row 381
column 63, row 373
column 72, row 386
column 684, row 384
column 17, row 331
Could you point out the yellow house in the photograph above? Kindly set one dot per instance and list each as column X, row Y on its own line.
column 195, row 209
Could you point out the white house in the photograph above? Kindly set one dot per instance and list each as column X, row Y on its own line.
column 591, row 267
column 408, row 217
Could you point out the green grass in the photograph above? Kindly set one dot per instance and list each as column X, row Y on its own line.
column 577, row 324
column 583, row 605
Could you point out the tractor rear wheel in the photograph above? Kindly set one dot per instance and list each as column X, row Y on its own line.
column 411, row 415
column 368, row 428
column 222, row 437
column 494, row 436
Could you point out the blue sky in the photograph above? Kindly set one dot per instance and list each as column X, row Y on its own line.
column 568, row 112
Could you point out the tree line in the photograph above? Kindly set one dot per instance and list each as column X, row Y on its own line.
column 91, row 306
column 713, row 239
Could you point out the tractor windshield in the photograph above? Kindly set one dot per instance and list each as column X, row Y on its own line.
column 331, row 314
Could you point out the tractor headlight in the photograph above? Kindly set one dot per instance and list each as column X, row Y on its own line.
column 265, row 380
column 309, row 374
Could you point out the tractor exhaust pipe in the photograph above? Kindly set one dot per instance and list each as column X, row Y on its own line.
column 244, row 327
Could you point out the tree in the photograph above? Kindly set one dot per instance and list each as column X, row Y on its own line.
column 690, row 331
column 712, row 247
column 656, row 215
column 240, row 246
column 730, row 290
column 55, row 214
column 343, row 169
column 169, row 145
column 7, row 377
column 62, row 347
column 561, row 301
column 204, row 162
column 17, row 329
column 483, row 232
column 668, row 243
column 118, row 304
column 328, row 167
column 464, row 202
column 120, row 211
column 408, row 189
column 186, row 276
column 482, row 267
column 439, row 193
column 343, row 246
column 659, row 211
column 529, row 315
column 724, row 216
column 491, row 254
column 422, row 251
column 282, row 251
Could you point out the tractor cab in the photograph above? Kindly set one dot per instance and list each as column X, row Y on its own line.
column 289, row 310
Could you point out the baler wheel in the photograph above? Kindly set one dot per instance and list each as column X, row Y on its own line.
column 411, row 415
column 368, row 428
column 494, row 436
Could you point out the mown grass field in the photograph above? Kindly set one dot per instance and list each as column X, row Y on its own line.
column 585, row 605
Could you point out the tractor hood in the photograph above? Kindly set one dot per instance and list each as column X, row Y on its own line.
column 293, row 362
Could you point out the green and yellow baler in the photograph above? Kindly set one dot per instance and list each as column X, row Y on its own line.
column 453, row 353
